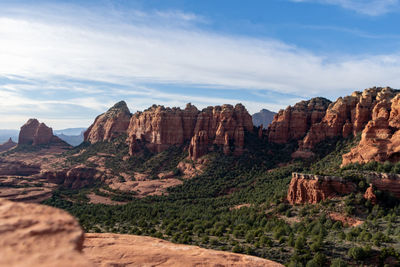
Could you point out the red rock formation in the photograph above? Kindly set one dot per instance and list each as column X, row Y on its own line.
column 162, row 127
column 293, row 123
column 380, row 139
column 385, row 182
column 8, row 167
column 370, row 195
column 38, row 235
column 313, row 188
column 35, row 133
column 7, row 145
column 110, row 124
column 198, row 145
column 75, row 178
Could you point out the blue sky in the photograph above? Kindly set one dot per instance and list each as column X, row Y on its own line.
column 65, row 62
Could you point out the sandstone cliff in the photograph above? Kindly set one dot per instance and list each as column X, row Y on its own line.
column 374, row 112
column 109, row 124
column 307, row 188
column 159, row 128
column 35, row 133
column 38, row 235
column 293, row 123
column 7, row 145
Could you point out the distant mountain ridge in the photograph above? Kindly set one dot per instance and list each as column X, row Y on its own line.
column 263, row 117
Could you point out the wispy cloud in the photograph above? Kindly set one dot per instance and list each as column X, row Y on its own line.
column 367, row 7
column 81, row 61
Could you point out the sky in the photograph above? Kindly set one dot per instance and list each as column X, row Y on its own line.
column 65, row 62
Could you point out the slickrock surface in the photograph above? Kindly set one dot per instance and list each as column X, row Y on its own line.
column 7, row 145
column 35, row 133
column 306, row 188
column 37, row 235
column 109, row 124
column 130, row 250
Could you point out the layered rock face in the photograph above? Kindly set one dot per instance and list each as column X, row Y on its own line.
column 306, row 188
column 293, row 123
column 37, row 235
column 35, row 133
column 109, row 124
column 385, row 182
column 159, row 128
column 162, row 127
column 7, row 145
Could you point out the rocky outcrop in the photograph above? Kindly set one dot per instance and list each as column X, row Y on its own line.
column 385, row 182
column 370, row 195
column 161, row 127
column 374, row 112
column 110, row 124
column 380, row 139
column 8, row 167
column 7, row 145
column 75, row 178
column 293, row 123
column 35, row 133
column 124, row 250
column 37, row 235
column 307, row 188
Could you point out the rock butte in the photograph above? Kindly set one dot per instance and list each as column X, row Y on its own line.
column 35, row 133
column 38, row 235
column 159, row 128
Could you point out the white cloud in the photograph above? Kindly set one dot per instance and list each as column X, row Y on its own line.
column 63, row 55
column 367, row 7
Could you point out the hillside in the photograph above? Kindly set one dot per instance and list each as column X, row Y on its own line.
column 210, row 178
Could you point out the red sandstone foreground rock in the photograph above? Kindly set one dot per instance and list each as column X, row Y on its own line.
column 110, row 124
column 7, row 145
column 130, row 250
column 36, row 235
column 307, row 188
column 159, row 128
